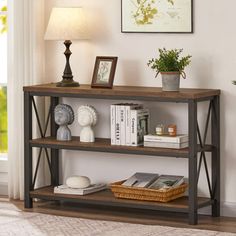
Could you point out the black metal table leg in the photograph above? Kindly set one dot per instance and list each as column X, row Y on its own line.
column 54, row 152
column 215, row 136
column 192, row 164
column 28, row 149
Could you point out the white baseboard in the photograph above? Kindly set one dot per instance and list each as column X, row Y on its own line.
column 227, row 209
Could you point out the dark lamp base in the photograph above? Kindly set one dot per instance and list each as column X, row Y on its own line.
column 68, row 83
column 67, row 80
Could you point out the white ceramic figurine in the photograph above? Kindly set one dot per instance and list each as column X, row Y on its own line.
column 87, row 117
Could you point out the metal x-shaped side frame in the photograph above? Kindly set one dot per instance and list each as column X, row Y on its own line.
column 202, row 143
column 42, row 134
column 195, row 163
column 52, row 160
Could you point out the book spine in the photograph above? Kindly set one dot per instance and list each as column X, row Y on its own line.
column 163, row 139
column 133, row 135
column 118, row 125
column 166, row 145
column 128, row 121
column 127, row 126
column 142, row 127
column 79, row 191
column 113, row 124
column 122, row 125
column 93, row 190
column 65, row 191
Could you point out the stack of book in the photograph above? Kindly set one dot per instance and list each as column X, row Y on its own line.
column 141, row 180
column 164, row 141
column 129, row 124
column 167, row 181
column 153, row 181
column 64, row 189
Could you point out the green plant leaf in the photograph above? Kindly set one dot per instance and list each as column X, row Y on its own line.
column 4, row 8
column 154, row 11
column 3, row 120
column 3, row 20
column 171, row 1
column 169, row 60
column 145, row 12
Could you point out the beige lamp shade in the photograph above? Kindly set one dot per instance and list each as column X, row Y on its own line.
column 66, row 24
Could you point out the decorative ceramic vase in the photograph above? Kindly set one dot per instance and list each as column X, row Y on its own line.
column 64, row 116
column 170, row 81
column 78, row 182
column 87, row 118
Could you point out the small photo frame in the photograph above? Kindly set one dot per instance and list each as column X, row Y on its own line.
column 104, row 72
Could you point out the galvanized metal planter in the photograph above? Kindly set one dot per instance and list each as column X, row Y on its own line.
column 170, row 81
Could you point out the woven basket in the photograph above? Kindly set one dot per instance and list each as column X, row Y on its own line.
column 147, row 194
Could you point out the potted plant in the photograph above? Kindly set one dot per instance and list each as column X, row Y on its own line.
column 171, row 66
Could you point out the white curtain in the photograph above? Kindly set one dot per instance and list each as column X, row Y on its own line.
column 26, row 67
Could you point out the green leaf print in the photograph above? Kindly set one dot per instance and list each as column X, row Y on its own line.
column 145, row 11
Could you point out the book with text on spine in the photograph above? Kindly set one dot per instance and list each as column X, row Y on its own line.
column 117, row 130
column 128, row 109
column 113, row 124
column 139, row 126
column 122, row 124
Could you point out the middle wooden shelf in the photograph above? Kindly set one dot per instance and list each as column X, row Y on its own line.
column 104, row 145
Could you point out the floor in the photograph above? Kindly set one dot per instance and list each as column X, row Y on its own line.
column 223, row 224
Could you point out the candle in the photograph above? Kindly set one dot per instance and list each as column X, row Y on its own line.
column 160, row 129
column 172, row 130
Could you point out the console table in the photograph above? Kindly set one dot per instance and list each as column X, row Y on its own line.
column 195, row 153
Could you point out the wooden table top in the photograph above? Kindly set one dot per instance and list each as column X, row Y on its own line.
column 149, row 93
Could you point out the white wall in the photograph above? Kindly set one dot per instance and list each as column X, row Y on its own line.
column 212, row 46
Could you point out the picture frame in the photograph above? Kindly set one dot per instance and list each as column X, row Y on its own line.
column 104, row 72
column 157, row 16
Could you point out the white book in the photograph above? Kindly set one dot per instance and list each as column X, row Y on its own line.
column 64, row 189
column 133, row 134
column 139, row 126
column 128, row 109
column 122, row 124
column 113, row 124
column 118, row 124
column 166, row 145
column 141, row 180
column 181, row 138
column 167, row 181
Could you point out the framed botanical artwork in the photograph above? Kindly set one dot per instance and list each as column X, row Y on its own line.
column 157, row 16
column 104, row 72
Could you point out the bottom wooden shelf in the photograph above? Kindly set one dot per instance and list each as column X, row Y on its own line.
column 107, row 198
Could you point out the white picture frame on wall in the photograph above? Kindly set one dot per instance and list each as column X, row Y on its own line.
column 157, row 16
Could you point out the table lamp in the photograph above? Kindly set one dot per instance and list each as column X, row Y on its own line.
column 66, row 24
